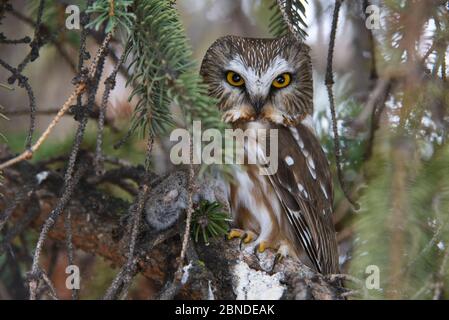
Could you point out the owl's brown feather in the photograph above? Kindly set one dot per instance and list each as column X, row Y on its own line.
column 303, row 184
column 296, row 199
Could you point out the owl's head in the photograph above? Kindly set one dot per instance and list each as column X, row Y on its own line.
column 260, row 79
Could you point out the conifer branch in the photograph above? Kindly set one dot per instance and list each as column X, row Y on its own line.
column 289, row 16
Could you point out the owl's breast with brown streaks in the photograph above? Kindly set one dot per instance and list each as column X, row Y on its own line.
column 254, row 203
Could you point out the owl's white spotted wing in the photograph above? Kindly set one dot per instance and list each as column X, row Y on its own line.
column 304, row 187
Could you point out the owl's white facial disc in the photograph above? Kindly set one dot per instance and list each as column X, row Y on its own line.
column 258, row 82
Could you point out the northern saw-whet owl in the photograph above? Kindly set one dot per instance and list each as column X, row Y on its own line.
column 267, row 83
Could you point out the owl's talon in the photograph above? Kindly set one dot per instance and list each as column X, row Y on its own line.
column 262, row 246
column 282, row 252
column 255, row 253
column 278, row 258
column 249, row 236
column 236, row 233
column 244, row 236
column 240, row 243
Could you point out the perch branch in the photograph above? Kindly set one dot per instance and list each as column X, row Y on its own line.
column 97, row 228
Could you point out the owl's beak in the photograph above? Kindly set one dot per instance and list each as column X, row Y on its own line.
column 258, row 102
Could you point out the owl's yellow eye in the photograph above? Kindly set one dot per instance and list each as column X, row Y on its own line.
column 234, row 79
column 282, row 80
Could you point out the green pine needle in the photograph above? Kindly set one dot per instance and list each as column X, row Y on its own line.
column 209, row 221
column 163, row 72
column 288, row 15
column 114, row 13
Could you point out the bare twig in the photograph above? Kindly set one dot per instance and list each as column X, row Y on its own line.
column 37, row 42
column 24, row 83
column 109, row 86
column 52, row 38
column 34, row 280
column 14, row 41
column 186, row 236
column 20, row 225
column 171, row 288
column 122, row 281
column 28, row 154
column 71, row 180
column 347, row 277
column 49, row 222
column 69, row 247
column 19, row 198
column 50, row 285
column 51, row 112
column 329, row 86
